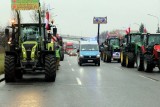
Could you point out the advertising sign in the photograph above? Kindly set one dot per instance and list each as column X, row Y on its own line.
column 24, row 4
column 100, row 20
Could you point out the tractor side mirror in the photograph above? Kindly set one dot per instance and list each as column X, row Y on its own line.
column 54, row 31
column 7, row 32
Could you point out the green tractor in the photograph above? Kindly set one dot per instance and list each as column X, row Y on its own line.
column 111, row 49
column 29, row 50
column 131, row 50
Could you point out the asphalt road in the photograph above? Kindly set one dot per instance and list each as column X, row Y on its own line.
column 109, row 85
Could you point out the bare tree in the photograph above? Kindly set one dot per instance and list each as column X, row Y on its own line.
column 34, row 16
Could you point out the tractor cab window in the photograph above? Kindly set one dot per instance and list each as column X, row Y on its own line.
column 30, row 33
column 154, row 39
column 135, row 38
column 114, row 42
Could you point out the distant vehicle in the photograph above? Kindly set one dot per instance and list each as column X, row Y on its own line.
column 72, row 52
column 68, row 46
column 88, row 52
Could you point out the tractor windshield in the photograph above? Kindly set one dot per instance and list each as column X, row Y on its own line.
column 154, row 39
column 30, row 33
column 89, row 47
column 114, row 41
column 135, row 38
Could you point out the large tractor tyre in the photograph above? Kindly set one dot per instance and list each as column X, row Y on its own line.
column 139, row 62
column 108, row 57
column 130, row 60
column 148, row 63
column 50, row 68
column 122, row 56
column 9, row 68
column 19, row 74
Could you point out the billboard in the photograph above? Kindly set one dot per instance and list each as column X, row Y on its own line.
column 24, row 4
column 100, row 20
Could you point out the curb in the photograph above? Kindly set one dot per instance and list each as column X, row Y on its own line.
column 1, row 77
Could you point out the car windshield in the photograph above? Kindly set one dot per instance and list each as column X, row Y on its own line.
column 89, row 47
column 30, row 33
column 154, row 39
column 114, row 42
column 135, row 38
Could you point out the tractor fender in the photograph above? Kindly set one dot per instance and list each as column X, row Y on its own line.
column 156, row 50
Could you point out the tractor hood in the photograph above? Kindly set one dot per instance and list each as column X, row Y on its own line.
column 157, row 48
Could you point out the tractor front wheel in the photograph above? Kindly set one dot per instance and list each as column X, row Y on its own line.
column 50, row 68
column 9, row 68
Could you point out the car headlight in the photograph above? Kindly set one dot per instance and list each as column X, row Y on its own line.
column 81, row 56
column 98, row 56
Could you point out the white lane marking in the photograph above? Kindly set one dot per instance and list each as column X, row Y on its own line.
column 147, row 78
column 72, row 69
column 79, row 81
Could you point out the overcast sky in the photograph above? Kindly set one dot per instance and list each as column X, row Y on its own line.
column 75, row 17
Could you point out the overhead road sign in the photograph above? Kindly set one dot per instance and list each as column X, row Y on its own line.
column 100, row 20
column 24, row 4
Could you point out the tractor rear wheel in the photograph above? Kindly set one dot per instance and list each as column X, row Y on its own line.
column 50, row 68
column 148, row 66
column 122, row 56
column 9, row 68
column 130, row 60
column 139, row 62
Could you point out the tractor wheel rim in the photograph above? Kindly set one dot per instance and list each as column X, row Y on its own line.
column 145, row 64
column 126, row 60
column 121, row 57
column 138, row 61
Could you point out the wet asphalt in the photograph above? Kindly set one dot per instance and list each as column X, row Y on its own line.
column 109, row 85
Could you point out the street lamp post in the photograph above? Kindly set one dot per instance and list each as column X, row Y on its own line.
column 158, row 30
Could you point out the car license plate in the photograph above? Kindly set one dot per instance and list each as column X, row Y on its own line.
column 90, row 60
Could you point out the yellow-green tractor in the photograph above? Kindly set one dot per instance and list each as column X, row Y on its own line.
column 29, row 51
